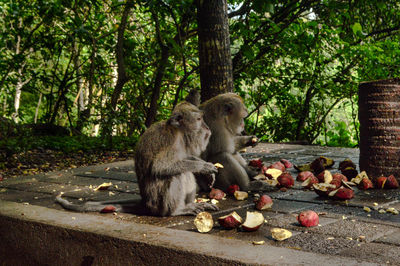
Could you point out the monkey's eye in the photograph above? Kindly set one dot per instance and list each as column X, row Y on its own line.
column 199, row 118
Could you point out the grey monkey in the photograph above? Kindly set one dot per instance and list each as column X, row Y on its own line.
column 166, row 159
column 225, row 114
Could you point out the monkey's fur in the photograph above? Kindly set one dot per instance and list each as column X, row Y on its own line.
column 225, row 114
column 166, row 159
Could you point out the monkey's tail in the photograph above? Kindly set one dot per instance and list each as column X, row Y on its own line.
column 89, row 206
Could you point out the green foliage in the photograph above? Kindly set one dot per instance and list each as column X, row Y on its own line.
column 296, row 63
column 67, row 144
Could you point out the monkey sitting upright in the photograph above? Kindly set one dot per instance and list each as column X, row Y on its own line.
column 166, row 159
column 225, row 114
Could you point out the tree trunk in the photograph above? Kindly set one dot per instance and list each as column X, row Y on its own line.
column 214, row 48
column 37, row 108
column 122, row 76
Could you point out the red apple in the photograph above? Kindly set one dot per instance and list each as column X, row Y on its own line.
column 257, row 163
column 216, row 193
column 391, row 182
column 308, row 218
column 303, row 176
column 343, row 193
column 232, row 189
column 286, row 180
column 309, row 182
column 231, row 220
column 254, row 220
column 365, row 184
column 278, row 165
column 380, row 181
column 264, row 202
column 286, row 163
column 325, row 177
column 108, row 209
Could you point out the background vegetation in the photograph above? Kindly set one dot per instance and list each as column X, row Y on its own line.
column 111, row 68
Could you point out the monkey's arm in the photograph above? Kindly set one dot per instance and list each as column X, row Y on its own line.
column 162, row 168
column 244, row 141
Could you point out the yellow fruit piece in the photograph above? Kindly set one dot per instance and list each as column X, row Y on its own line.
column 280, row 234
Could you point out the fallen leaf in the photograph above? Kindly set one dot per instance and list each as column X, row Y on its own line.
column 103, row 186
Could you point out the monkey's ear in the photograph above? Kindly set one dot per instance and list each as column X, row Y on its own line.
column 228, row 108
column 193, row 97
column 175, row 120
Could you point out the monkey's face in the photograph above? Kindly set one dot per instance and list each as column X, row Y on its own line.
column 234, row 120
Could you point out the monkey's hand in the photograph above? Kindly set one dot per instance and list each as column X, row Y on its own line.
column 210, row 180
column 253, row 141
column 208, row 169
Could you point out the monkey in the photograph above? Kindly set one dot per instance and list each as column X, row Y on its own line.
column 166, row 160
column 224, row 114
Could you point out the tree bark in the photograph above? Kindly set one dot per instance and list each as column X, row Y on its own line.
column 122, row 76
column 214, row 48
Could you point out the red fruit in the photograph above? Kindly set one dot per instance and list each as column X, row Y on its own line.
column 325, row 177
column 336, row 182
column 317, row 166
column 380, row 181
column 349, row 172
column 257, row 163
column 303, row 176
column 253, row 221
column 286, row 163
column 391, row 182
column 308, row 218
column 264, row 202
column 278, row 165
column 344, row 193
column 272, row 173
column 365, row 184
column 323, row 189
column 308, row 183
column 346, row 164
column 216, row 193
column 232, row 189
column 231, row 220
column 108, row 209
column 286, row 180
column 339, row 176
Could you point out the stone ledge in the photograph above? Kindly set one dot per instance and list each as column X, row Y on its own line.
column 39, row 235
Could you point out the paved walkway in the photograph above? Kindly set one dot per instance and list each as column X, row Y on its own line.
column 33, row 228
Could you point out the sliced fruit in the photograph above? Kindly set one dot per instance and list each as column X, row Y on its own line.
column 325, row 177
column 264, row 202
column 309, row 182
column 241, row 195
column 391, row 182
column 254, row 220
column 272, row 173
column 203, row 222
column 280, row 234
column 216, row 193
column 230, row 221
column 303, row 176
